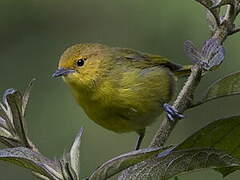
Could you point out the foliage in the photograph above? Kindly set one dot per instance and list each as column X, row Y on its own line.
column 213, row 146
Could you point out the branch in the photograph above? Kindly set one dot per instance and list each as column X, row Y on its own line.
column 185, row 98
column 209, row 58
column 182, row 102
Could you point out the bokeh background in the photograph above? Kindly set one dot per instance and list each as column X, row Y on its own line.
column 34, row 33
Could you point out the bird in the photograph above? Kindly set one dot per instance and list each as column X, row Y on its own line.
column 120, row 89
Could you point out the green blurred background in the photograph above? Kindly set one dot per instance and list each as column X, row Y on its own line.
column 34, row 33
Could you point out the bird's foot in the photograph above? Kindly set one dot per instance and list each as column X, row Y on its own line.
column 172, row 113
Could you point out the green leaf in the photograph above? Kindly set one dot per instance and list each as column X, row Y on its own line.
column 227, row 170
column 207, row 3
column 29, row 159
column 215, row 3
column 26, row 96
column 6, row 115
column 12, row 121
column 227, row 86
column 214, row 8
column 70, row 163
column 75, row 153
column 211, row 21
column 66, row 169
column 3, row 117
column 5, row 133
column 40, row 176
column 13, row 100
column 124, row 161
column 9, row 142
column 214, row 146
column 210, row 56
column 177, row 162
column 222, row 134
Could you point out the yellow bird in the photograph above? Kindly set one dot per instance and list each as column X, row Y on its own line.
column 120, row 89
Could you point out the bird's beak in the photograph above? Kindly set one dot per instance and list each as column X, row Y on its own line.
column 62, row 72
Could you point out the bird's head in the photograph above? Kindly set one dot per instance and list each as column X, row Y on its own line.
column 82, row 64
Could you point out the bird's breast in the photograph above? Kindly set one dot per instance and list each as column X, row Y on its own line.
column 128, row 103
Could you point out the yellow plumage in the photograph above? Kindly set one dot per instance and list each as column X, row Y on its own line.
column 120, row 89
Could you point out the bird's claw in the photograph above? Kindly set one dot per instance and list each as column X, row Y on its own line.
column 172, row 113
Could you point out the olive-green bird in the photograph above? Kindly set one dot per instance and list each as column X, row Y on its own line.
column 120, row 89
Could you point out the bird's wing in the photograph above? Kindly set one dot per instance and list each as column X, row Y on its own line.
column 162, row 61
column 177, row 69
column 148, row 60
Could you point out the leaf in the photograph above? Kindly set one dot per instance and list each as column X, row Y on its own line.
column 70, row 163
column 124, row 161
column 214, row 146
column 221, row 134
column 213, row 4
column 13, row 100
column 211, row 21
column 178, row 162
column 10, row 142
column 213, row 7
column 6, row 114
column 26, row 96
column 12, row 121
column 41, row 176
column 210, row 56
column 208, row 3
column 66, row 169
column 26, row 158
column 3, row 118
column 213, row 52
column 192, row 52
column 75, row 153
column 5, row 133
column 217, row 59
column 227, row 170
column 219, row 3
column 227, row 86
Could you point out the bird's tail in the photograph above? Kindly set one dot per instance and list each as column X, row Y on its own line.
column 183, row 71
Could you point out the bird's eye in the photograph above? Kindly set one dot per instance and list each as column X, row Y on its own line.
column 80, row 62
